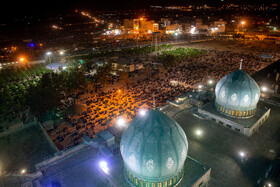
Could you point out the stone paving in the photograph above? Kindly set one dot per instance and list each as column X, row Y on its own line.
column 219, row 148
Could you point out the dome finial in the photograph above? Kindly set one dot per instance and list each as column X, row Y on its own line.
column 240, row 67
column 154, row 102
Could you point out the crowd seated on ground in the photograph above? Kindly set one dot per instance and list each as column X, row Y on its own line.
column 104, row 107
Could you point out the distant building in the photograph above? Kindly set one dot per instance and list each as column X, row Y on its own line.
column 199, row 24
column 220, row 25
column 140, row 26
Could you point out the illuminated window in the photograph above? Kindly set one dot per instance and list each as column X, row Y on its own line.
column 147, row 184
column 136, row 181
column 229, row 112
column 165, row 184
column 244, row 113
column 226, row 110
column 237, row 112
column 153, row 184
column 159, row 184
column 141, row 183
column 233, row 112
column 174, row 180
column 170, row 182
column 221, row 108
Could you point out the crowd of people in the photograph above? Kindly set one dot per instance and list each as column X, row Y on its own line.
column 102, row 109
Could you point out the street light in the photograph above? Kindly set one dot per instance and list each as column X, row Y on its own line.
column 199, row 86
column 198, row 132
column 210, row 82
column 23, row 171
column 264, row 89
column 120, row 122
column 61, row 52
column 104, row 166
column 49, row 55
column 21, row 59
column 142, row 112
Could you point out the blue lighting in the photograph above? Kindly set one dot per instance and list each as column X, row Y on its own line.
column 31, row 45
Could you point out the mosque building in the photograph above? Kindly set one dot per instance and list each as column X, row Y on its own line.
column 236, row 104
column 154, row 150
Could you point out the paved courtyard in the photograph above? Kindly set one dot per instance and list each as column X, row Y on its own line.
column 219, row 148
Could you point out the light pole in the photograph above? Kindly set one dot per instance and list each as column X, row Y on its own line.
column 176, row 36
column 49, row 56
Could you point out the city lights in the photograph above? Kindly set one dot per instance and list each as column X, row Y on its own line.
column 48, row 53
column 192, row 31
column 200, row 86
column 104, row 166
column 61, row 52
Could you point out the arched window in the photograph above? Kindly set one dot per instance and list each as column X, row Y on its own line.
column 136, row 181
column 165, row 184
column 147, row 184
column 141, row 183
column 170, row 182
column 229, row 112
column 237, row 113
column 174, row 179
column 226, row 110
column 159, row 184
column 233, row 112
column 153, row 184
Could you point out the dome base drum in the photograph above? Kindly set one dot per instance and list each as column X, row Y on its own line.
column 235, row 113
column 141, row 182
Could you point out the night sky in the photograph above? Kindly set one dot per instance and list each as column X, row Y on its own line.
column 41, row 7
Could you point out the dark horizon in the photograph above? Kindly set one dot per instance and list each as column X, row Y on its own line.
column 49, row 8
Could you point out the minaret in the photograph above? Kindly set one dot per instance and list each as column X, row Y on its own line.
column 240, row 67
column 154, row 102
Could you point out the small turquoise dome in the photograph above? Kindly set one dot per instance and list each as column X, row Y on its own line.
column 237, row 95
column 154, row 149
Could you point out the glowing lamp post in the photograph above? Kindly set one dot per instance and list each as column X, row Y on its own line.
column 61, row 52
column 142, row 112
column 21, row 59
column 198, row 133
column 242, row 155
column 120, row 122
column 104, row 166
column 264, row 89
column 23, row 171
column 48, row 54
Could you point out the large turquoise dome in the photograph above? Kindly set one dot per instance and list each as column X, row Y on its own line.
column 154, row 149
column 237, row 95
